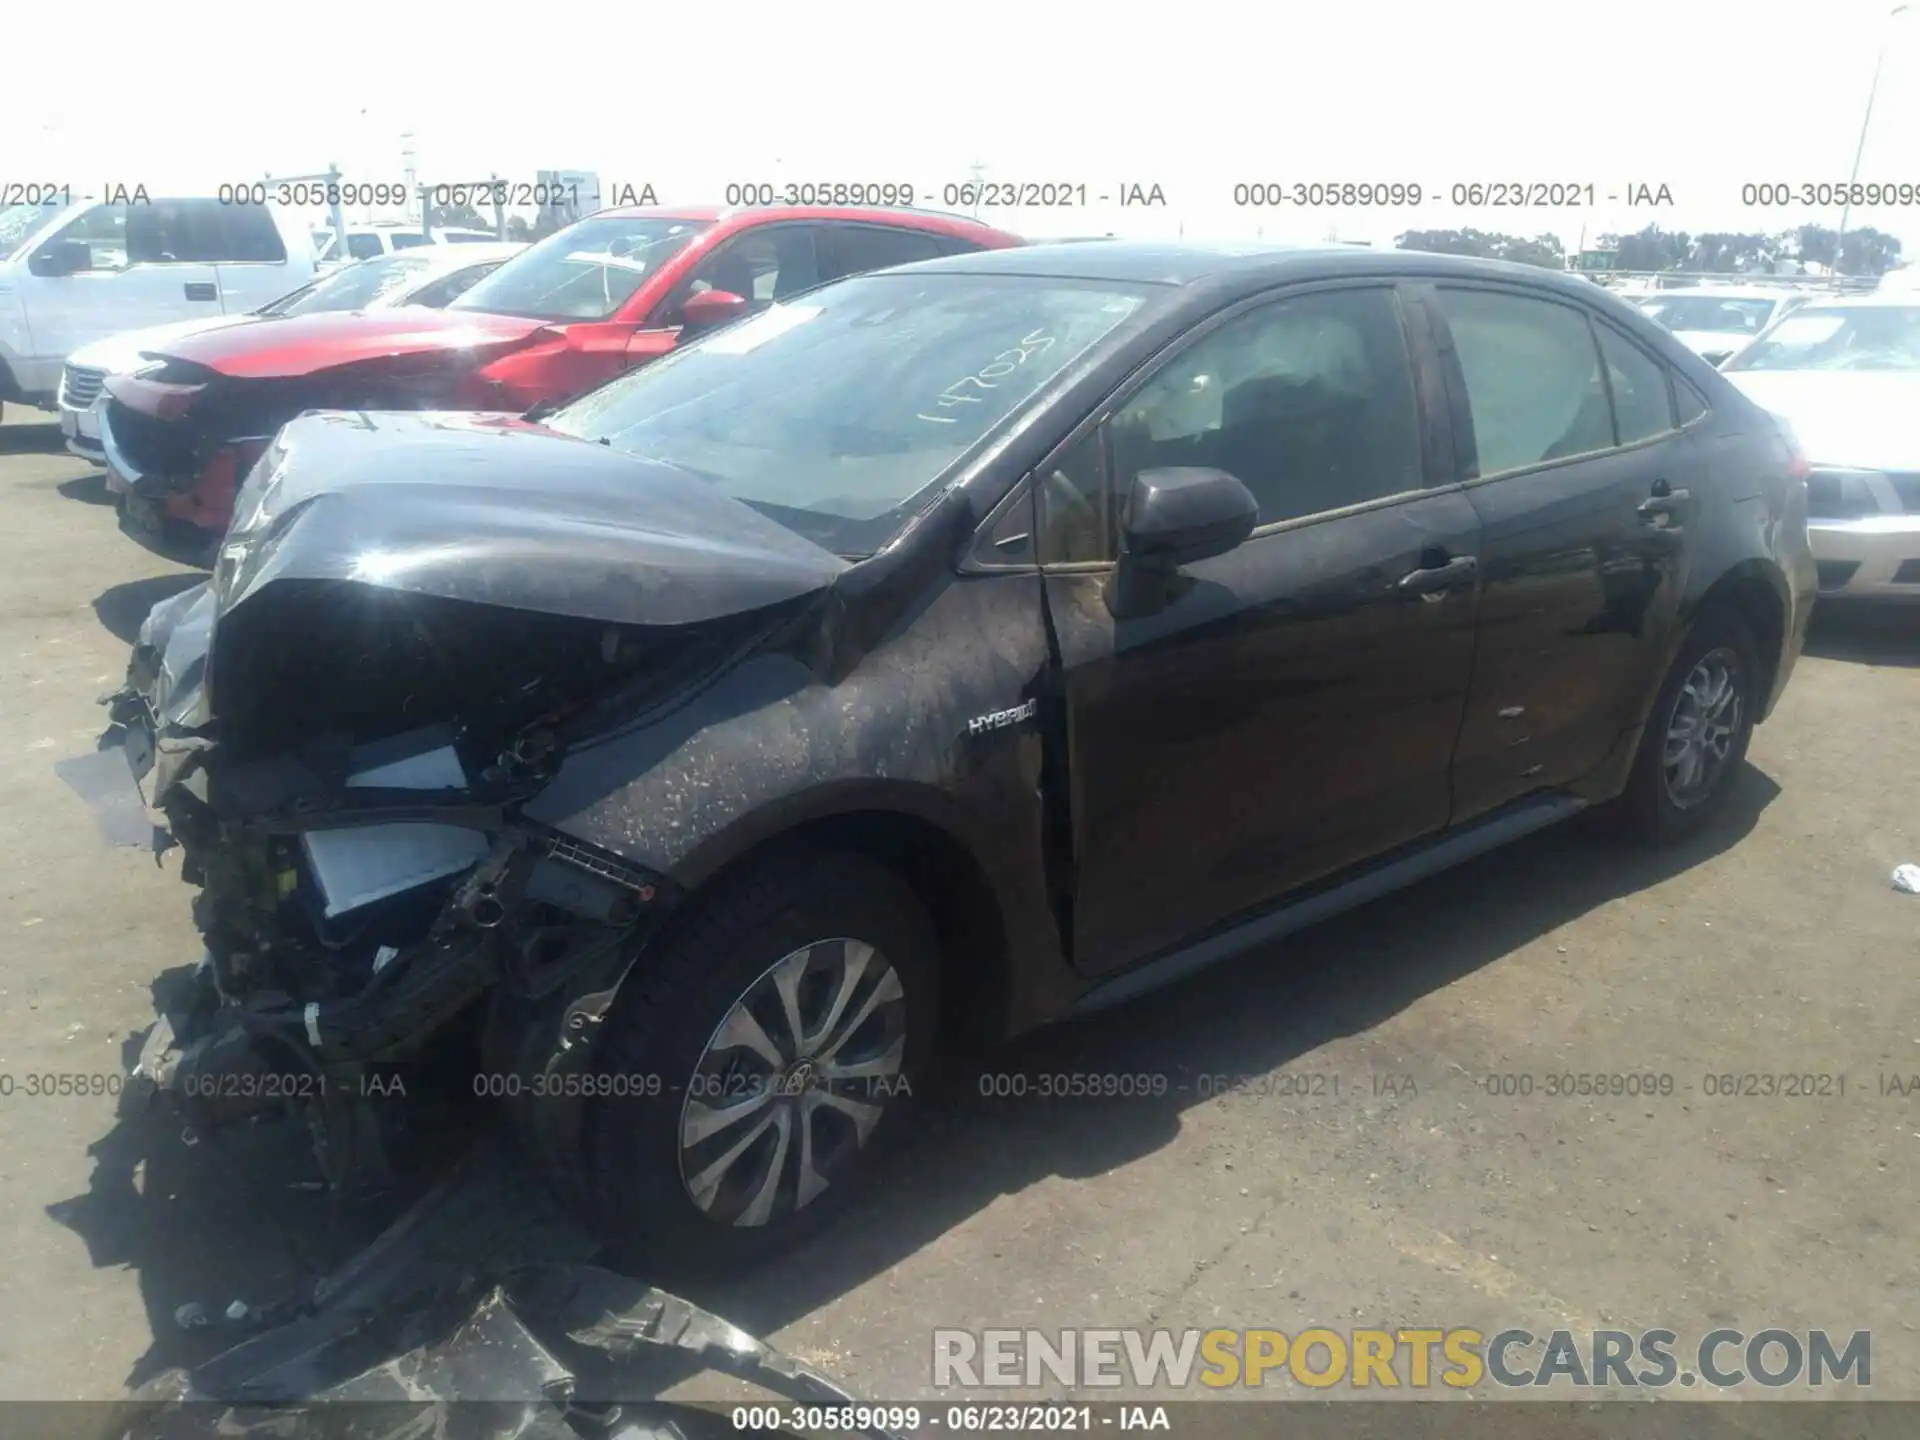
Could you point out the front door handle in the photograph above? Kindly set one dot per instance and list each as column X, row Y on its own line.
column 1430, row 580
column 202, row 290
column 1668, row 503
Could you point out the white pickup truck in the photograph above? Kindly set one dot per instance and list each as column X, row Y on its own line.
column 74, row 270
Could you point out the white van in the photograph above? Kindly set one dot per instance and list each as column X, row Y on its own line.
column 75, row 271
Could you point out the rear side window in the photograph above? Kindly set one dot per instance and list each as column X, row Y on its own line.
column 364, row 247
column 251, row 235
column 407, row 240
column 1533, row 378
column 853, row 249
column 1641, row 406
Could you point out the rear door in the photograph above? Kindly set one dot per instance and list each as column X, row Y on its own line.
column 174, row 246
column 1293, row 707
column 1569, row 450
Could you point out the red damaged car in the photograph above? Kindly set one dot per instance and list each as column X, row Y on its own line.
column 610, row 292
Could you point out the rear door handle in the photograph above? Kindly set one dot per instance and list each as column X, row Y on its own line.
column 202, row 290
column 1431, row 580
column 1670, row 503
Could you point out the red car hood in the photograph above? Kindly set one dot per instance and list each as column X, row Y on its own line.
column 302, row 344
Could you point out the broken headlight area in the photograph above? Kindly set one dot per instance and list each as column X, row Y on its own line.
column 342, row 769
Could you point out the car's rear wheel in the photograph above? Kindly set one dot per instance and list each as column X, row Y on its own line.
column 1697, row 735
column 788, row 1023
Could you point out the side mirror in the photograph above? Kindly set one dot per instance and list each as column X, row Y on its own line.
column 1176, row 516
column 61, row 257
column 710, row 308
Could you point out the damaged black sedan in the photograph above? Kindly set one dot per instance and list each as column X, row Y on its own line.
column 935, row 655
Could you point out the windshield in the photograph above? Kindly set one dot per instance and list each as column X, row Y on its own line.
column 585, row 272
column 832, row 413
column 353, row 287
column 1879, row 337
column 18, row 223
column 1711, row 312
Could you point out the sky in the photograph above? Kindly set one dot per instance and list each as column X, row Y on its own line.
column 1701, row 96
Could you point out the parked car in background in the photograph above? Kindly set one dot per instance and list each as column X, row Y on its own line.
column 937, row 654
column 1713, row 321
column 1845, row 374
column 384, row 237
column 610, row 292
column 75, row 272
column 433, row 276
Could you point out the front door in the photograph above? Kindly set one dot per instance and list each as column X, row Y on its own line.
column 1586, row 488
column 1292, row 708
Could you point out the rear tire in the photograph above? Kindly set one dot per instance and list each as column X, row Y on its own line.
column 1697, row 733
column 837, row 940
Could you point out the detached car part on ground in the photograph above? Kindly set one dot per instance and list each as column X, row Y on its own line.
column 599, row 297
column 960, row 648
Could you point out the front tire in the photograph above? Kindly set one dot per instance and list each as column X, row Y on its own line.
column 789, row 1022
column 1697, row 734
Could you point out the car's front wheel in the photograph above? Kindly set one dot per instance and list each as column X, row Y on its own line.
column 766, row 1053
column 1696, row 738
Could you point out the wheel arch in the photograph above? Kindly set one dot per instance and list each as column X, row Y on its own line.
column 1756, row 592
column 915, row 830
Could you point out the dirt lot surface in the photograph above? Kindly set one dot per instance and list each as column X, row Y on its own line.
column 1774, row 947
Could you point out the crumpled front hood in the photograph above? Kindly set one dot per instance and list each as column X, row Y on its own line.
column 1844, row 417
column 492, row 510
column 302, row 344
column 117, row 354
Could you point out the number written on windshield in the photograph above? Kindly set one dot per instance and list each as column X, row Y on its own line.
column 965, row 391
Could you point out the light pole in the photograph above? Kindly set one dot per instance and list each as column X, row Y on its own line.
column 1846, row 206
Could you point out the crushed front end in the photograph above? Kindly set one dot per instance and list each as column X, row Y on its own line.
column 338, row 739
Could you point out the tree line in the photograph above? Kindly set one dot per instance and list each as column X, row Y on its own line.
column 1867, row 251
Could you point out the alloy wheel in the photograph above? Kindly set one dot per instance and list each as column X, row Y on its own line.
column 792, row 1082
column 1702, row 728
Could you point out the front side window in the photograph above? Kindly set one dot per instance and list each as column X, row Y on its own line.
column 103, row 230
column 1532, row 372
column 584, row 272
column 165, row 232
column 1833, row 337
column 761, row 266
column 1308, row 401
column 1641, row 406
column 836, row 413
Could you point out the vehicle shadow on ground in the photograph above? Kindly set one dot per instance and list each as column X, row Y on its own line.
column 123, row 608
column 208, row 1223
column 1866, row 634
column 88, row 489
column 30, row 439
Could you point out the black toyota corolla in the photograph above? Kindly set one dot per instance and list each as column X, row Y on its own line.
column 941, row 653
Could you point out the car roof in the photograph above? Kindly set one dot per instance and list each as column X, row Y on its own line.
column 938, row 221
column 1250, row 266
column 1872, row 300
column 1735, row 292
